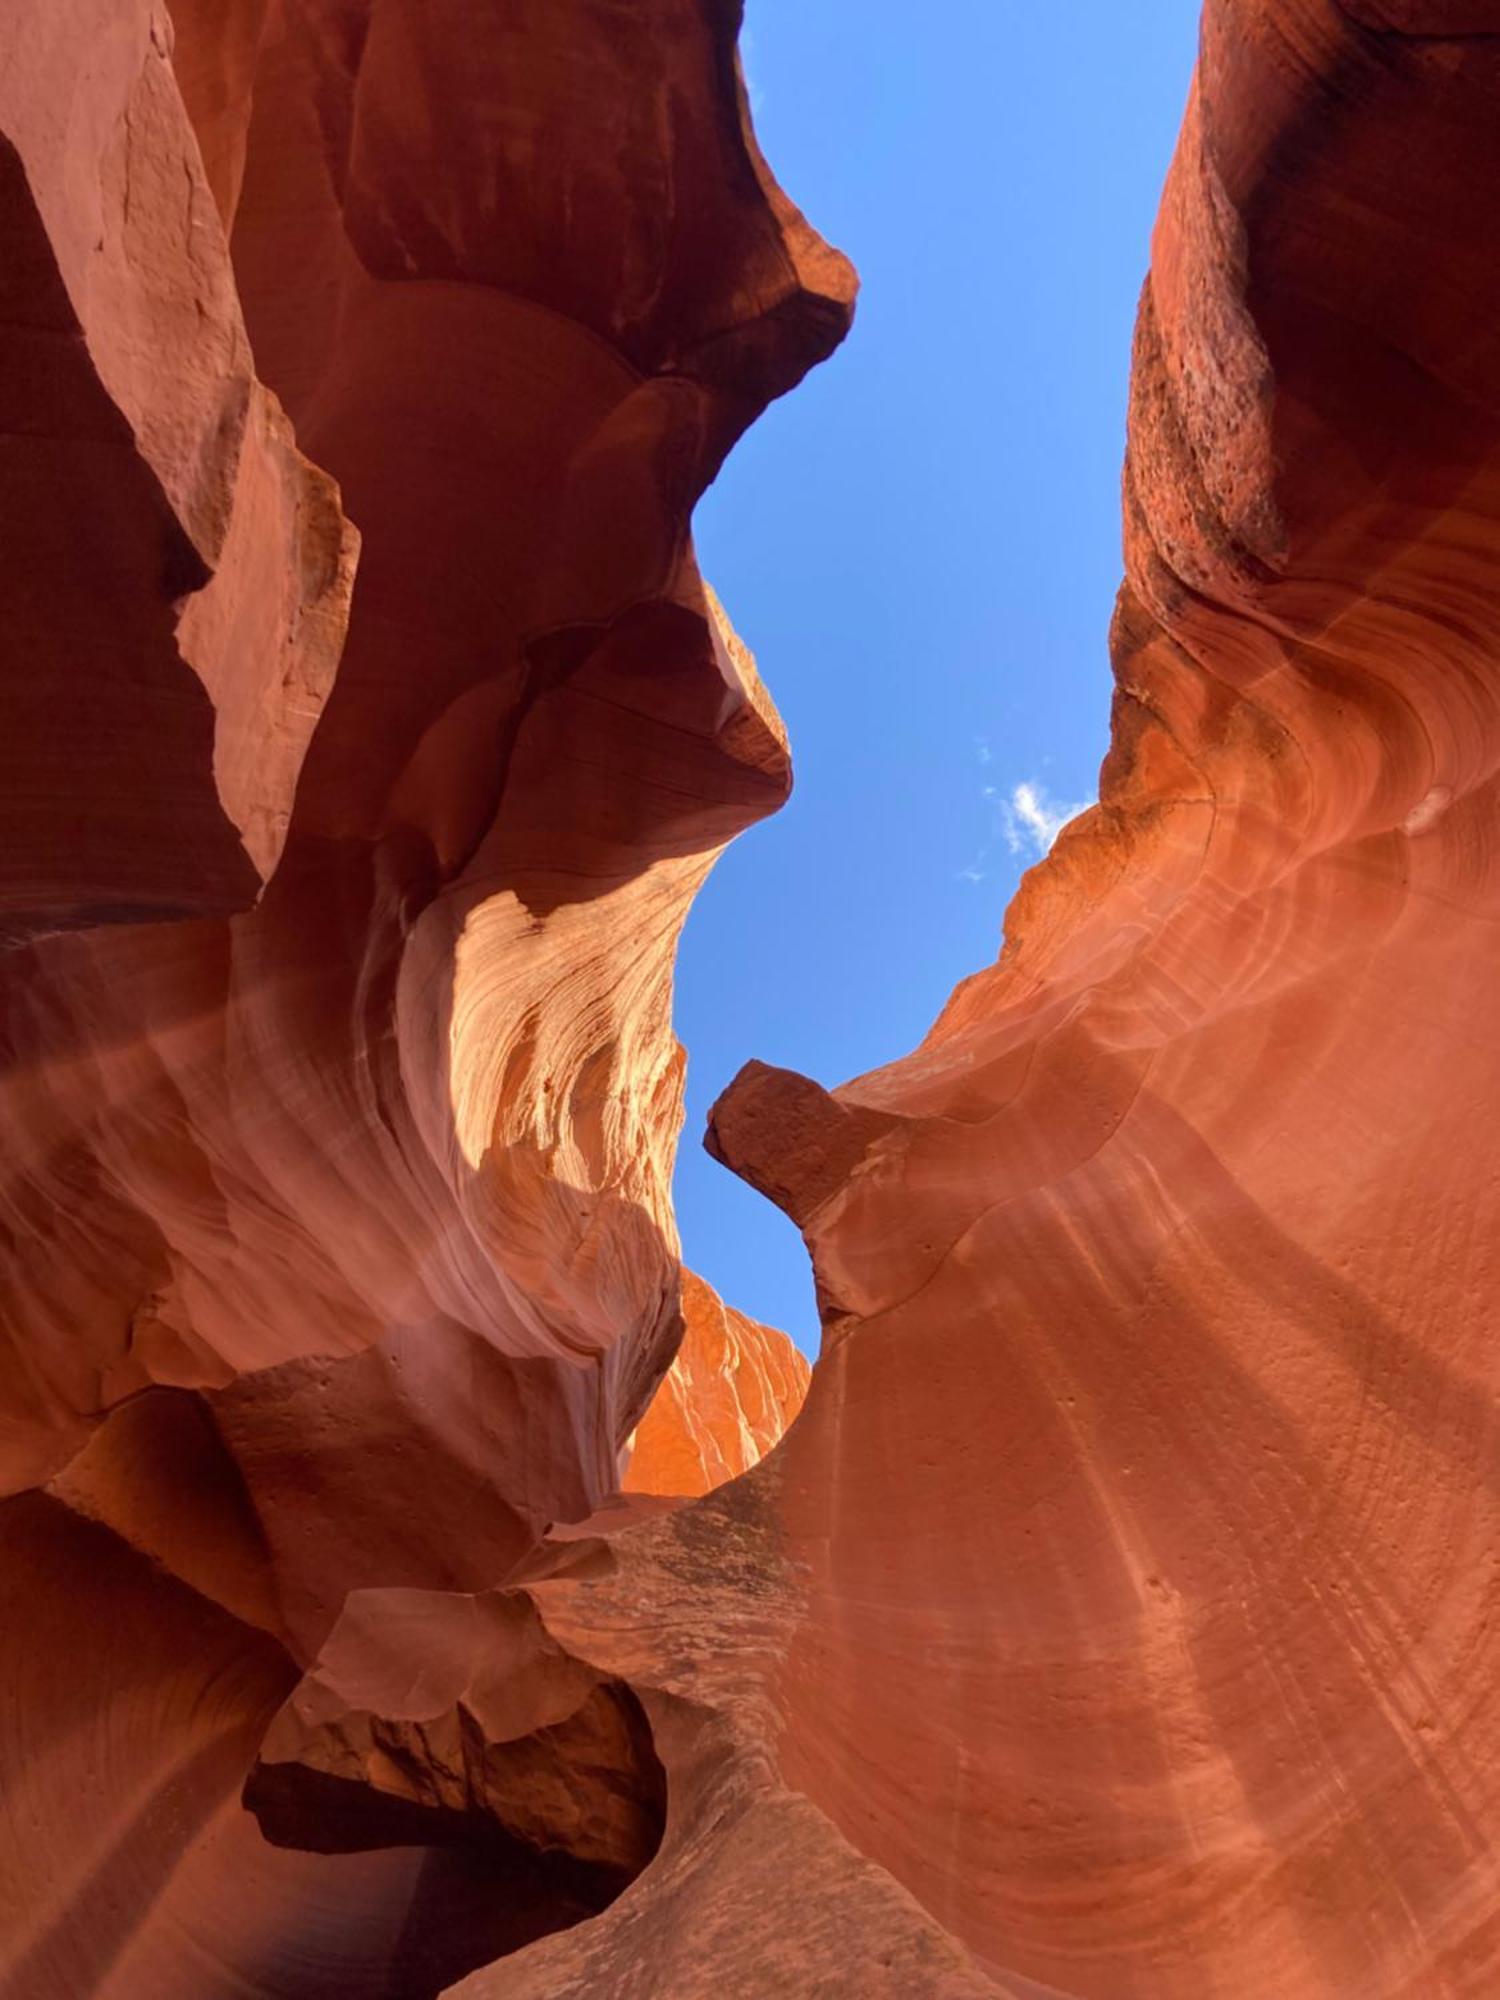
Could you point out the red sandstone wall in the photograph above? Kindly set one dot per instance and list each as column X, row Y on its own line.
column 725, row 1401
column 336, row 1063
column 1117, row 1620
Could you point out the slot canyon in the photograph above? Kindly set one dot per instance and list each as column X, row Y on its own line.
column 416, row 1581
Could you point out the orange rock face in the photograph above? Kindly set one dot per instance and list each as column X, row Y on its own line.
column 1117, row 1620
column 726, row 1400
column 336, row 1062
column 176, row 576
column 1144, row 1498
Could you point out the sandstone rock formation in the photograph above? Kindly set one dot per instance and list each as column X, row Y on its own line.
column 176, row 576
column 727, row 1399
column 336, row 1062
column 1144, row 1497
column 1118, row 1620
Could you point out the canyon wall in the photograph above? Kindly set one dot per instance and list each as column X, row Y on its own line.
column 336, row 1062
column 1143, row 1512
column 727, row 1399
column 1117, row 1620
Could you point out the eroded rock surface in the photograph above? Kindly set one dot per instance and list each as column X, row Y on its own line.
column 1117, row 1620
column 1144, row 1499
column 727, row 1399
column 336, row 1062
column 176, row 575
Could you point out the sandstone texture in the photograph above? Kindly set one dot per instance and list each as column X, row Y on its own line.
column 336, row 1063
column 727, row 1399
column 176, row 576
column 1118, row 1619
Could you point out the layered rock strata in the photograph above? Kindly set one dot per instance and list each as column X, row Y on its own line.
column 1125, row 1591
column 728, row 1399
column 176, row 575
column 336, row 1063
column 1117, row 1619
column 1143, row 1505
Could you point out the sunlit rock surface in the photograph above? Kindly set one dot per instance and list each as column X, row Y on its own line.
column 339, row 1086
column 729, row 1396
column 176, row 576
column 1144, row 1505
column 1118, row 1618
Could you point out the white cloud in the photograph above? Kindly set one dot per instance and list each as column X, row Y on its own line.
column 1027, row 817
column 1032, row 817
column 752, row 88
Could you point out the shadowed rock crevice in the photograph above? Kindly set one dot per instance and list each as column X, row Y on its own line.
column 462, row 1711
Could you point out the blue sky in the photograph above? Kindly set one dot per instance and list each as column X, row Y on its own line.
column 921, row 545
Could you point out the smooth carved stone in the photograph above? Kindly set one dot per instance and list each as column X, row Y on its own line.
column 177, row 576
column 1137, row 1532
column 726, row 1401
column 429, row 1716
column 339, row 1251
column 1117, row 1619
column 755, row 1889
column 1144, row 1505
column 409, row 1124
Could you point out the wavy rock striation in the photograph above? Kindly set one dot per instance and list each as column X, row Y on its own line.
column 177, row 576
column 336, row 1061
column 1117, row 1620
column 1143, row 1506
column 726, row 1400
